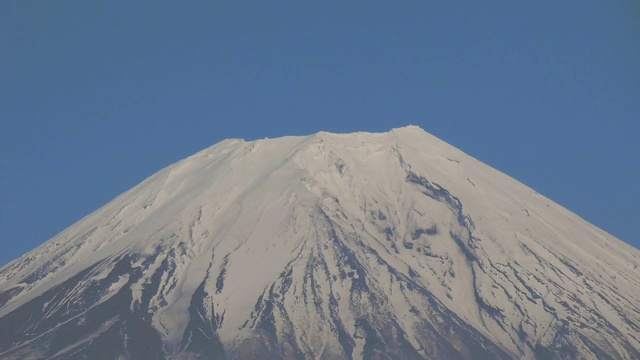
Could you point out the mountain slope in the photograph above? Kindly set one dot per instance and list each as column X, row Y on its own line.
column 392, row 245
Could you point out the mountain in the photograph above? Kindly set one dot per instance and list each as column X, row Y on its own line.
column 332, row 246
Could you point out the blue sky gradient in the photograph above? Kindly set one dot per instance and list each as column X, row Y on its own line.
column 95, row 96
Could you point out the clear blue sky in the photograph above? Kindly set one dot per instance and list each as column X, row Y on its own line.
column 95, row 96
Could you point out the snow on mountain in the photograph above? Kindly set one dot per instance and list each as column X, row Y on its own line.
column 390, row 245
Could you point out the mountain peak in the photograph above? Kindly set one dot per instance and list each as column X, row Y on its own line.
column 409, row 127
column 326, row 246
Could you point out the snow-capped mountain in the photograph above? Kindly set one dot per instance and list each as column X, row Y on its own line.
column 376, row 246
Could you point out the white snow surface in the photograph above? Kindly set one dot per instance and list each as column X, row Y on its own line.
column 256, row 208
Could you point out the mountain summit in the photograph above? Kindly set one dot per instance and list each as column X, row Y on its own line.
column 332, row 246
